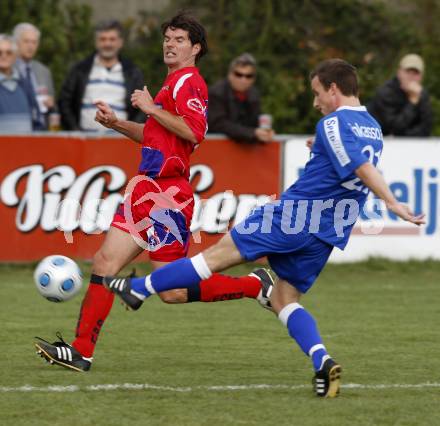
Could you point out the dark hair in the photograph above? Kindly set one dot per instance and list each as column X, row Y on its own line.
column 339, row 72
column 109, row 26
column 196, row 32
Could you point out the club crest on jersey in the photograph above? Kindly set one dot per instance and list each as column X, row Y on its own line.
column 152, row 238
column 196, row 105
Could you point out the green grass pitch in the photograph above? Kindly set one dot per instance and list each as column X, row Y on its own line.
column 380, row 320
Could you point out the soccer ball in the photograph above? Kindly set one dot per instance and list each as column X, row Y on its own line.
column 58, row 278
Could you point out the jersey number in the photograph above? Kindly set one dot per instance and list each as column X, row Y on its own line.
column 356, row 184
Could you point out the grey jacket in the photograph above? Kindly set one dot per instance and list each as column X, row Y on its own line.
column 42, row 75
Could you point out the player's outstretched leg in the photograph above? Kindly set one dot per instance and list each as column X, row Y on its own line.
column 257, row 285
column 183, row 273
column 303, row 329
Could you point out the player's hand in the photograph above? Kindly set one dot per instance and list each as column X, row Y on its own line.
column 143, row 100
column 310, row 142
column 264, row 135
column 405, row 213
column 105, row 115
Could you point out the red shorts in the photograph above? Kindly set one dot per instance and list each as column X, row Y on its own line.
column 158, row 213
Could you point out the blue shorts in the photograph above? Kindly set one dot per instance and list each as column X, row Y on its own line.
column 296, row 258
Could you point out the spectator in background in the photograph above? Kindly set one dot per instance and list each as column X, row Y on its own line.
column 234, row 104
column 401, row 105
column 36, row 76
column 104, row 76
column 15, row 109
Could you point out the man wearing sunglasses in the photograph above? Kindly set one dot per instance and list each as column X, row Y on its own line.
column 15, row 109
column 234, row 104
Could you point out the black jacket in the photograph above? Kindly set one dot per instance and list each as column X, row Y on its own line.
column 74, row 86
column 227, row 114
column 397, row 116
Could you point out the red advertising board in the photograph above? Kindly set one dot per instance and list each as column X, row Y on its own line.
column 41, row 175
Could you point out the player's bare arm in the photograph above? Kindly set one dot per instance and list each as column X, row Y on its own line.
column 134, row 131
column 107, row 117
column 143, row 100
column 371, row 177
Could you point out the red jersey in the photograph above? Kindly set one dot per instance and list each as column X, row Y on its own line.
column 164, row 154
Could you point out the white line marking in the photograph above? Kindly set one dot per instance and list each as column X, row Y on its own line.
column 146, row 386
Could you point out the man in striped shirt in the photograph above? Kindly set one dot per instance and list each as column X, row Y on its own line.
column 104, row 75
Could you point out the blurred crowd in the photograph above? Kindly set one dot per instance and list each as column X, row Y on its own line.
column 28, row 101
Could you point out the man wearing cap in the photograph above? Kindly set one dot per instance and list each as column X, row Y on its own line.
column 402, row 105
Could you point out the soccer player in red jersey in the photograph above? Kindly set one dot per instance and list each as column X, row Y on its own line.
column 157, row 211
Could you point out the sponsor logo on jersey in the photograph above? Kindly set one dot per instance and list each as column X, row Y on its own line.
column 331, row 128
column 366, row 132
column 196, row 105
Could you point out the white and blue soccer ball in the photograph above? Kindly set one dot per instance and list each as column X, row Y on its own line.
column 58, row 278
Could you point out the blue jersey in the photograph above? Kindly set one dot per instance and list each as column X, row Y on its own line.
column 345, row 139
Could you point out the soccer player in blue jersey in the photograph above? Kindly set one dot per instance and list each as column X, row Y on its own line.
column 298, row 232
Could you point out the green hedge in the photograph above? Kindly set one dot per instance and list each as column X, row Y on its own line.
column 288, row 37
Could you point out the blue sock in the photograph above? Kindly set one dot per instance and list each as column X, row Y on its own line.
column 303, row 329
column 182, row 273
column 138, row 285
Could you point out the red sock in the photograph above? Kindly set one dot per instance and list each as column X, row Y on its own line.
column 223, row 287
column 94, row 310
